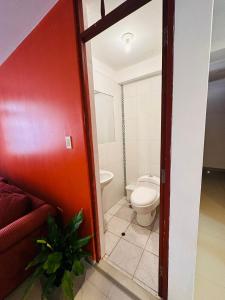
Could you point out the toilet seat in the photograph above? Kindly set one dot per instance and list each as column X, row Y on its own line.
column 143, row 196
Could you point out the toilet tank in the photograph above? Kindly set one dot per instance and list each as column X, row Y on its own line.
column 149, row 181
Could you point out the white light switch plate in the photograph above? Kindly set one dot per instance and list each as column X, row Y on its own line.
column 68, row 139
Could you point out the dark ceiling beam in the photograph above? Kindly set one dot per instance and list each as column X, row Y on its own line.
column 119, row 13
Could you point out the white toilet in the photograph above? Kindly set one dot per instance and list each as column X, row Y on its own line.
column 145, row 199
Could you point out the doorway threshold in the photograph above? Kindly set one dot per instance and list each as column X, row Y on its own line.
column 130, row 287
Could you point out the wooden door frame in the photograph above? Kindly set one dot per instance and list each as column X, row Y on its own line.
column 166, row 129
column 83, row 36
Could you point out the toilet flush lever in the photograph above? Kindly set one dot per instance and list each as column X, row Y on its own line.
column 163, row 176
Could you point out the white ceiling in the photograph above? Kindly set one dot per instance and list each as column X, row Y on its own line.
column 17, row 19
column 146, row 24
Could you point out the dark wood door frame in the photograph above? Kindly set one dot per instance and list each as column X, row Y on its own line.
column 166, row 126
column 84, row 35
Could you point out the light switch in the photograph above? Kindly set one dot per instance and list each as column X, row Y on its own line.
column 68, row 139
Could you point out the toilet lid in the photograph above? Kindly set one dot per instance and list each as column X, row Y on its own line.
column 143, row 196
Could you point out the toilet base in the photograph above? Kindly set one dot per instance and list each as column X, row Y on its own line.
column 146, row 219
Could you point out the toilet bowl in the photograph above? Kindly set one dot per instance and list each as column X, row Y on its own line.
column 145, row 199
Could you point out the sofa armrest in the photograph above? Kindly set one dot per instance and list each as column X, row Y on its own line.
column 24, row 226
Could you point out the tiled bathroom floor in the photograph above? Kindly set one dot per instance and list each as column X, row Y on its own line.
column 135, row 253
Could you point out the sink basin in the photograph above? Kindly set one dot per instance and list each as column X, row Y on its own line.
column 105, row 178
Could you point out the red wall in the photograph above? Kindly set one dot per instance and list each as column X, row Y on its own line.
column 40, row 103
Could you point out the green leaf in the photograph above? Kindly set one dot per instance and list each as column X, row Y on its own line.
column 82, row 242
column 83, row 254
column 44, row 242
column 75, row 223
column 54, row 232
column 53, row 262
column 37, row 274
column 48, row 286
column 78, row 267
column 61, row 256
column 40, row 258
column 67, row 285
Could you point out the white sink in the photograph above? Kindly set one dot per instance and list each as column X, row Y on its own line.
column 105, row 178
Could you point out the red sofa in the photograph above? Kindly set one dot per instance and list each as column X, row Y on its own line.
column 17, row 245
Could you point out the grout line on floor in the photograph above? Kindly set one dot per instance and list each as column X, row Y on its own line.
column 114, row 246
column 151, row 252
column 129, row 242
column 118, row 268
column 138, row 264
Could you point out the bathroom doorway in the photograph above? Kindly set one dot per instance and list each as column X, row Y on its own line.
column 113, row 99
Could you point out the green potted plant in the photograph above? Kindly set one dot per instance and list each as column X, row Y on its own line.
column 60, row 264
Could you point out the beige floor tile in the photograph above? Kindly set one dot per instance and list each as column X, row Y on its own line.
column 107, row 218
column 126, row 256
column 113, row 209
column 112, row 264
column 137, row 235
column 123, row 201
column 120, row 294
column 147, row 270
column 153, row 243
column 110, row 242
column 147, row 288
column 125, row 213
column 101, row 282
column 124, row 281
column 90, row 292
column 117, row 226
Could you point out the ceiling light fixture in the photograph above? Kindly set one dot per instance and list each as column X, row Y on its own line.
column 127, row 38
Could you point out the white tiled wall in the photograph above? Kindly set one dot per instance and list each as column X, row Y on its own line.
column 111, row 154
column 142, row 106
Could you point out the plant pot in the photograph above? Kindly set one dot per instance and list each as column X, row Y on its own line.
column 57, row 294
